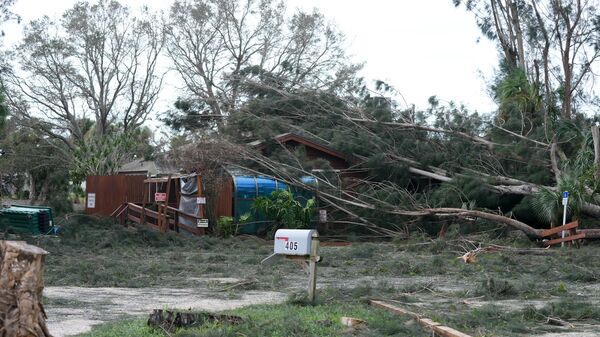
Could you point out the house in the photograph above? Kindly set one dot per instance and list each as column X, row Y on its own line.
column 342, row 164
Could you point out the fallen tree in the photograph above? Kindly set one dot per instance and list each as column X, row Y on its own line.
column 349, row 202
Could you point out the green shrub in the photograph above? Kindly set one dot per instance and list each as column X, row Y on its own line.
column 284, row 210
column 226, row 227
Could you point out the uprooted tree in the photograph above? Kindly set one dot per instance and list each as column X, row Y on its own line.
column 445, row 170
column 509, row 166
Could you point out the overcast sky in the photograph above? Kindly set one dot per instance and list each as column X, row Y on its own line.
column 422, row 48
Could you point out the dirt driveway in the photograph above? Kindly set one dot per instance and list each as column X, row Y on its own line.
column 73, row 310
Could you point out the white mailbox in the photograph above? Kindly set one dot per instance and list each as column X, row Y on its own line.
column 294, row 241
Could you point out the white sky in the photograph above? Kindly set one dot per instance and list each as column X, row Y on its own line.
column 422, row 48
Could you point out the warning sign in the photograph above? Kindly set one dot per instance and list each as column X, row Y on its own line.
column 91, row 200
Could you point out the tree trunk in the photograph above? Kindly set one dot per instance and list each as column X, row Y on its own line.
column 21, row 285
column 531, row 232
column 32, row 191
column 45, row 189
column 596, row 138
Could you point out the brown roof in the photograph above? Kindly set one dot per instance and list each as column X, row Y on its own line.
column 287, row 137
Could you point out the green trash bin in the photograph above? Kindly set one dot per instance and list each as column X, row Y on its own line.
column 34, row 220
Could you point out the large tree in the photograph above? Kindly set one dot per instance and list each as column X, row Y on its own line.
column 220, row 46
column 555, row 42
column 99, row 62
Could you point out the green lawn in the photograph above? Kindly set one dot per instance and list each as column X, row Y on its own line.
column 282, row 321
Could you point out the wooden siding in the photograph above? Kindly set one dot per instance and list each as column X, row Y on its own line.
column 225, row 198
column 113, row 191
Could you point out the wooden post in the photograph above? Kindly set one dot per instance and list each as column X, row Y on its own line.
column 143, row 216
column 165, row 221
column 312, row 267
column 21, row 286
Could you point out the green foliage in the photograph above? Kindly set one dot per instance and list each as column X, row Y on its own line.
column 516, row 93
column 578, row 178
column 496, row 288
column 284, row 210
column 103, row 156
column 565, row 309
column 58, row 195
column 228, row 227
column 187, row 115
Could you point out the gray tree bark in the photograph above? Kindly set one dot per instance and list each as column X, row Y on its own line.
column 596, row 139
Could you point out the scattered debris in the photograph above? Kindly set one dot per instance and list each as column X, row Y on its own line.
column 558, row 321
column 353, row 322
column 470, row 256
column 168, row 320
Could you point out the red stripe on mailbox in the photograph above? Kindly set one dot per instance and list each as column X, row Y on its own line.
column 284, row 238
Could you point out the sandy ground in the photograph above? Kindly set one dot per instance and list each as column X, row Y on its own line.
column 74, row 310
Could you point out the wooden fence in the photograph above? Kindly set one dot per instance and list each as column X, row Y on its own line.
column 104, row 194
column 166, row 218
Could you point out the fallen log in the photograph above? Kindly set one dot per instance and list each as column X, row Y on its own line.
column 21, row 285
column 531, row 232
column 169, row 320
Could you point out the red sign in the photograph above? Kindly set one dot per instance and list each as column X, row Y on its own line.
column 160, row 196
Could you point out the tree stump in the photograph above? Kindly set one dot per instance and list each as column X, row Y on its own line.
column 21, row 285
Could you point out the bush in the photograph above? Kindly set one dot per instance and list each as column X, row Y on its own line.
column 284, row 210
column 226, row 227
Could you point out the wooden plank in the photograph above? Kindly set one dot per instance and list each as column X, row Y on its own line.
column 195, row 231
column 184, row 214
column 445, row 331
column 134, row 207
column 392, row 308
column 559, row 229
column 565, row 239
column 133, row 218
column 437, row 328
column 165, row 222
column 117, row 210
column 151, row 214
column 151, row 225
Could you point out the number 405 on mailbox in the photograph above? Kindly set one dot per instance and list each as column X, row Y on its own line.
column 293, row 241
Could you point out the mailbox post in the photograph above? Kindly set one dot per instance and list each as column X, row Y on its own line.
column 303, row 245
column 312, row 266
